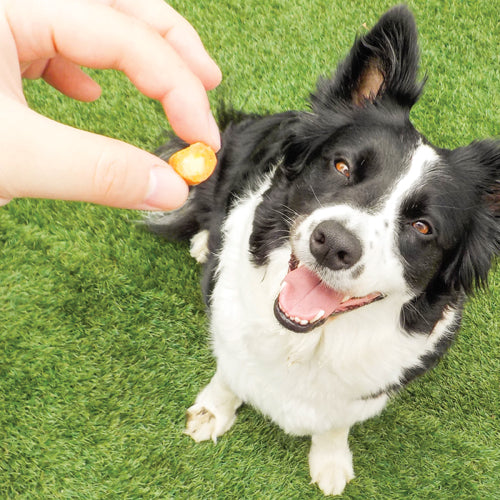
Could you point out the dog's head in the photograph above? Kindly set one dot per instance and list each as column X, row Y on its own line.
column 373, row 210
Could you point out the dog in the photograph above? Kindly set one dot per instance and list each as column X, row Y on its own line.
column 339, row 246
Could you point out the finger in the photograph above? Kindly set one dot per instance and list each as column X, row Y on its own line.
column 71, row 80
column 177, row 31
column 94, row 35
column 42, row 158
column 10, row 82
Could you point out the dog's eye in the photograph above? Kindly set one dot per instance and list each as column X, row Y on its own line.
column 343, row 168
column 422, row 227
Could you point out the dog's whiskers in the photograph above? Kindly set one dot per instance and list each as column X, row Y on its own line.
column 315, row 196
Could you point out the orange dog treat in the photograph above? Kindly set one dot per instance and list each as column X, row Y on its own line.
column 194, row 163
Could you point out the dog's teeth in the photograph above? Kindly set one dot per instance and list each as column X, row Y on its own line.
column 346, row 298
column 299, row 265
column 304, row 322
column 283, row 285
column 318, row 316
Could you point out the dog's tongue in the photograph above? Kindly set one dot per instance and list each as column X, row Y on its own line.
column 304, row 295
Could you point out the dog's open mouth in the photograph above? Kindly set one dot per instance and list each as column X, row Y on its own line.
column 306, row 302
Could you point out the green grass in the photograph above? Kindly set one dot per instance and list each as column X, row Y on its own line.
column 103, row 339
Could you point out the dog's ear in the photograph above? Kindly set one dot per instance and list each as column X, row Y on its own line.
column 382, row 62
column 480, row 243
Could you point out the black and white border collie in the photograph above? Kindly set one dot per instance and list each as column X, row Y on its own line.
column 338, row 247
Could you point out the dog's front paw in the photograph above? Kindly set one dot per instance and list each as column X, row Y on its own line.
column 200, row 424
column 330, row 463
column 213, row 413
column 203, row 424
column 331, row 474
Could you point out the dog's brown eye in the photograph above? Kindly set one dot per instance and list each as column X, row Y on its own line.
column 422, row 227
column 343, row 168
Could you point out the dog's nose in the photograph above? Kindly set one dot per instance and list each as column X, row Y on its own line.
column 334, row 246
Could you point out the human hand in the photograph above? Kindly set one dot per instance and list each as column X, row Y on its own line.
column 152, row 44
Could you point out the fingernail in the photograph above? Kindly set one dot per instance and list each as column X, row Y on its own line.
column 166, row 189
column 214, row 132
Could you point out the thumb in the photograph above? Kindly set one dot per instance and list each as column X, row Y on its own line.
column 45, row 159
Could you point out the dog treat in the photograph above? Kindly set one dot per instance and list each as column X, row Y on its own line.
column 195, row 163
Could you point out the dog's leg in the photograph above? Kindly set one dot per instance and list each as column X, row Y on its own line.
column 330, row 461
column 214, row 411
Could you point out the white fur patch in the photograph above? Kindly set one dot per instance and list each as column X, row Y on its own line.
column 199, row 246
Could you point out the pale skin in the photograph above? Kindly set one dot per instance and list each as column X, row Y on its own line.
column 158, row 50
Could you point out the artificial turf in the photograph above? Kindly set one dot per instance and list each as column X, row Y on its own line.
column 103, row 335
